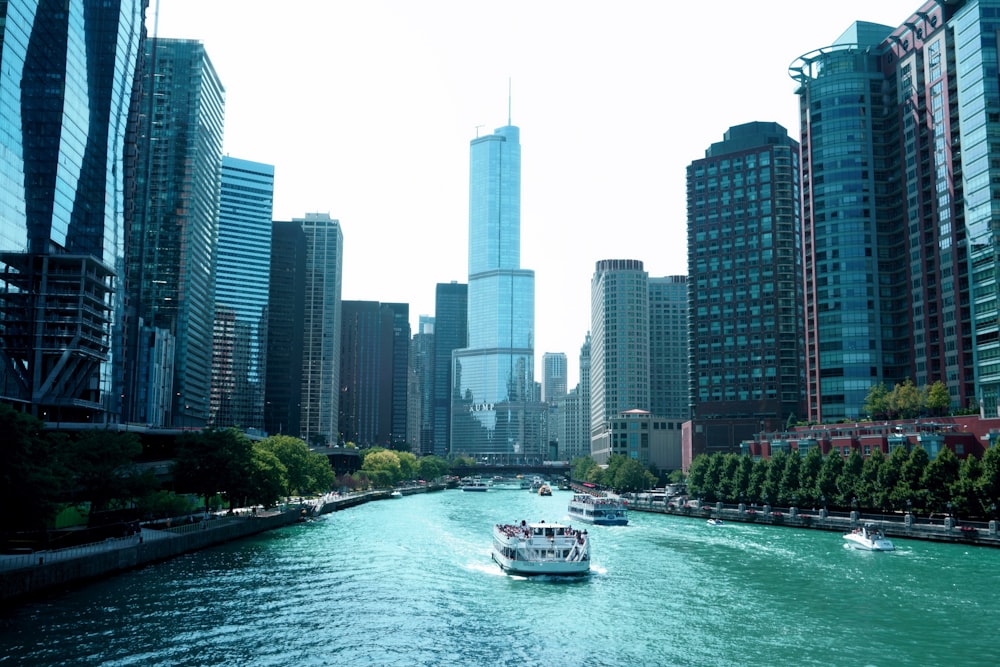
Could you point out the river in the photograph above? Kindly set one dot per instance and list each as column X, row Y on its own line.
column 411, row 582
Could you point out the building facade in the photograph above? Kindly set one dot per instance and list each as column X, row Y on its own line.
column 554, row 379
column 285, row 329
column 668, row 347
column 899, row 240
column 619, row 360
column 421, row 403
column 242, row 281
column 174, row 239
column 744, row 285
column 68, row 103
column 451, row 332
column 495, row 409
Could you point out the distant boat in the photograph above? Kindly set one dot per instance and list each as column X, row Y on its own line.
column 475, row 485
column 715, row 522
column 541, row 548
column 395, row 494
column 545, row 490
column 868, row 538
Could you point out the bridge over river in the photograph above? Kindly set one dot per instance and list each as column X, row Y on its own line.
column 546, row 469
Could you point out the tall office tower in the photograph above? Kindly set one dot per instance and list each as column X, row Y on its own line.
column 899, row 244
column 668, row 348
column 374, row 361
column 451, row 327
column 494, row 407
column 66, row 100
column 285, row 329
column 321, row 329
column 744, row 286
column 553, row 376
column 421, row 404
column 174, row 238
column 619, row 361
column 242, row 279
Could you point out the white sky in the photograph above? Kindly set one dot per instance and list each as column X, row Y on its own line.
column 366, row 109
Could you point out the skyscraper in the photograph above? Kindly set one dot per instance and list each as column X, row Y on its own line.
column 66, row 90
column 241, row 294
column 898, row 231
column 285, row 329
column 619, row 360
column 374, row 361
column 421, row 399
column 553, row 376
column 451, row 327
column 324, row 265
column 744, row 286
column 668, row 347
column 494, row 407
column 174, row 238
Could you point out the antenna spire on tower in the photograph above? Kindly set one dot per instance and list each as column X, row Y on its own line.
column 508, row 100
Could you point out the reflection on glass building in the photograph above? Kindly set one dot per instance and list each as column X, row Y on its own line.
column 900, row 208
column 173, row 240
column 241, row 294
column 66, row 89
column 495, row 409
column 451, row 326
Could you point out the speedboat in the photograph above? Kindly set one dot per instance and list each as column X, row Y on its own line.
column 714, row 522
column 598, row 510
column 868, row 538
column 545, row 490
column 395, row 494
column 541, row 548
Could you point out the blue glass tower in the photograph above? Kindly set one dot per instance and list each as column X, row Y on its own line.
column 66, row 93
column 241, row 294
column 494, row 407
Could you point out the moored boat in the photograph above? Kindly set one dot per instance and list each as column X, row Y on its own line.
column 868, row 538
column 475, row 484
column 541, row 549
column 598, row 510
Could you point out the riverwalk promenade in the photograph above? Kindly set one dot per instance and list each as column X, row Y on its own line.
column 29, row 574
column 908, row 525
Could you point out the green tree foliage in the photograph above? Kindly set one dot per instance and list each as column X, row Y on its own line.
column 988, row 484
column 939, row 479
column 906, row 401
column 877, row 401
column 772, row 482
column 808, row 476
column 911, row 476
column 103, row 467
column 215, row 461
column 631, row 476
column 741, row 482
column 758, row 480
column 828, row 478
column 938, row 398
column 697, row 474
column 431, row 467
column 268, row 477
column 33, row 477
column 381, row 466
column 788, row 487
column 306, row 472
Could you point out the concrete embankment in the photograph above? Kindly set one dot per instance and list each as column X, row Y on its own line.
column 905, row 526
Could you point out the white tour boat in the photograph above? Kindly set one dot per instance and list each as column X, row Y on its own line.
column 475, row 485
column 868, row 538
column 541, row 548
column 599, row 510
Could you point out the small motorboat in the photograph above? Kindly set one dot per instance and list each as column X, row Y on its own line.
column 868, row 538
column 715, row 522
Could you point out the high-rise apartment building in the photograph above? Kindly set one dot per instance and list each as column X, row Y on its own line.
column 421, row 402
column 495, row 410
column 321, row 329
column 451, row 327
column 241, row 293
column 554, row 380
column 668, row 348
column 67, row 108
column 285, row 329
column 374, row 365
column 619, row 361
column 744, row 286
column 174, row 238
column 900, row 261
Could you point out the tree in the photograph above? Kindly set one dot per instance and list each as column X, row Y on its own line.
column 305, row 471
column 381, row 466
column 630, row 476
column 214, row 461
column 910, row 476
column 268, row 477
column 829, row 476
column 407, row 465
column 808, row 474
column 103, row 467
column 788, row 486
column 697, row 472
column 877, row 401
column 906, row 400
column 938, row 398
column 33, row 476
column 939, row 478
column 758, row 480
column 432, row 467
column 741, row 482
column 988, row 484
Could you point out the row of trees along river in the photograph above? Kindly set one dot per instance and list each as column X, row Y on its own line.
column 905, row 480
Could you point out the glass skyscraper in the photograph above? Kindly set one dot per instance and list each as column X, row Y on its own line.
column 494, row 407
column 241, row 294
column 451, row 327
column 174, row 238
column 66, row 104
